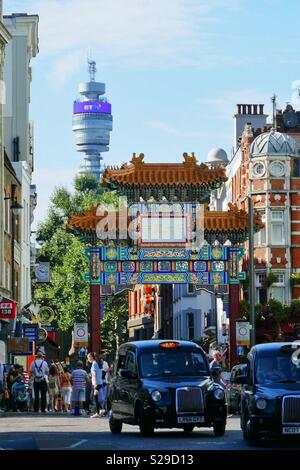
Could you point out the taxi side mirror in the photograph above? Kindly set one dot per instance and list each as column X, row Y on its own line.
column 127, row 374
column 241, row 380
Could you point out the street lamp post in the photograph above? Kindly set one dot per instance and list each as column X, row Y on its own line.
column 15, row 210
column 251, row 291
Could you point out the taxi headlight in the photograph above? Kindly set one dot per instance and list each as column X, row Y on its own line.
column 219, row 394
column 261, row 404
column 156, row 395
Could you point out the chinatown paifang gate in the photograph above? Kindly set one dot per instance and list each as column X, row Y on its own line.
column 152, row 241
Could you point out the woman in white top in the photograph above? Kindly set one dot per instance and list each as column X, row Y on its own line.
column 96, row 376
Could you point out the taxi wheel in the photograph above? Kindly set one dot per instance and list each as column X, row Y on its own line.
column 145, row 422
column 219, row 428
column 115, row 425
column 249, row 434
column 188, row 428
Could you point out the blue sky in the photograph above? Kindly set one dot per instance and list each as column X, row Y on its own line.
column 174, row 71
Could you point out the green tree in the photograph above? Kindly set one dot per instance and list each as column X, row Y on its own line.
column 280, row 313
column 114, row 323
column 68, row 292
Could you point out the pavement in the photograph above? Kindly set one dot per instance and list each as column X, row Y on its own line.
column 65, row 432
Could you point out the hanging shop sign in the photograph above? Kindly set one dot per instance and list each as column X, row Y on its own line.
column 18, row 346
column 31, row 332
column 42, row 335
column 81, row 334
column 8, row 309
column 42, row 272
column 45, row 315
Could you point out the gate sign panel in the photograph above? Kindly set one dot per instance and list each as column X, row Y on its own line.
column 242, row 333
column 81, row 334
column 207, row 266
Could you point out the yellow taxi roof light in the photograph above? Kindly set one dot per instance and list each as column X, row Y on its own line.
column 169, row 345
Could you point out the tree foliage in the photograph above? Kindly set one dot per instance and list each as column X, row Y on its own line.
column 114, row 324
column 68, row 292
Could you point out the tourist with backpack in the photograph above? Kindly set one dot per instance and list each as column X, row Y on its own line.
column 39, row 371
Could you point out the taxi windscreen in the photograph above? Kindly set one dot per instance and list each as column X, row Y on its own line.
column 278, row 366
column 173, row 363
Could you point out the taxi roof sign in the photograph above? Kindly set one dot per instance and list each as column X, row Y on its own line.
column 169, row 345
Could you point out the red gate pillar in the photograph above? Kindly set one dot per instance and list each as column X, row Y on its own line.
column 234, row 313
column 95, row 338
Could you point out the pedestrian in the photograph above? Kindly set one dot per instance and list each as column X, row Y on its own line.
column 216, row 359
column 103, row 390
column 53, row 387
column 11, row 377
column 66, row 389
column 109, row 377
column 2, row 383
column 96, row 376
column 39, row 371
column 79, row 379
column 19, row 392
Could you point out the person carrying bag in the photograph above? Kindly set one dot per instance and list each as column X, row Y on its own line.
column 39, row 371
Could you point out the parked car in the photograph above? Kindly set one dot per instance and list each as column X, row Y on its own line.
column 270, row 397
column 165, row 384
column 234, row 389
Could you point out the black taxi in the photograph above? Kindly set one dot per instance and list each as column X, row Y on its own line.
column 165, row 384
column 270, row 397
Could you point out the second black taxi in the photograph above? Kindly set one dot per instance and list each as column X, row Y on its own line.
column 165, row 384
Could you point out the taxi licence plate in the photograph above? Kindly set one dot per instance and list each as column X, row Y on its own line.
column 291, row 430
column 190, row 419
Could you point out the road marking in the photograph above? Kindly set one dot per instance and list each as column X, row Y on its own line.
column 77, row 444
column 72, row 446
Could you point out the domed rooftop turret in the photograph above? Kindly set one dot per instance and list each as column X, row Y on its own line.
column 217, row 156
column 273, row 142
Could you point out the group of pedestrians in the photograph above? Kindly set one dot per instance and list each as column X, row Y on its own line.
column 56, row 387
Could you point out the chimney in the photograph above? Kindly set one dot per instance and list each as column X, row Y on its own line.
column 248, row 114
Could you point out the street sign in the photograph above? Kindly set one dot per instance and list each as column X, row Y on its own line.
column 242, row 333
column 18, row 346
column 49, row 328
column 8, row 309
column 42, row 335
column 31, row 332
column 81, row 337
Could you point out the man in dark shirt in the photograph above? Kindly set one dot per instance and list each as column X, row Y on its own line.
column 12, row 375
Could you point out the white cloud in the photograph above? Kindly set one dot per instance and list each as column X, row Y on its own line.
column 64, row 67
column 134, row 33
column 224, row 106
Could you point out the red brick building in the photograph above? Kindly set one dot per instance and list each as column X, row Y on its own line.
column 266, row 166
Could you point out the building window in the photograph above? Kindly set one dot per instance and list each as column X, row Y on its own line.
column 260, row 236
column 191, row 288
column 261, row 291
column 296, row 168
column 191, row 328
column 277, row 228
column 6, row 213
column 278, row 287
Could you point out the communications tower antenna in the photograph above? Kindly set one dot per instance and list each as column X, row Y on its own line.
column 92, row 69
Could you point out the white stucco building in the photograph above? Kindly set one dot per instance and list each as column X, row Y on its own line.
column 18, row 129
column 194, row 312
